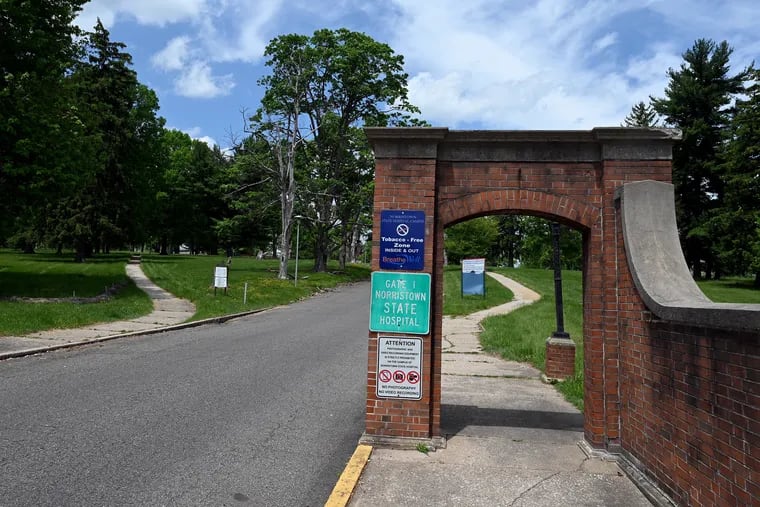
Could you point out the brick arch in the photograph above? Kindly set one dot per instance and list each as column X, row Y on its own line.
column 563, row 208
column 569, row 176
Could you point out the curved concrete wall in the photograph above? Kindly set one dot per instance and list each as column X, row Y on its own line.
column 658, row 267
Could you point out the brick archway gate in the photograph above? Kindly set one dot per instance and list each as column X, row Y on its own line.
column 567, row 176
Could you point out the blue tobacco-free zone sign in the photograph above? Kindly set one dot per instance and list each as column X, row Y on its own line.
column 402, row 240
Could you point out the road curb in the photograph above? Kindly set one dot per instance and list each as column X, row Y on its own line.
column 211, row 320
column 344, row 488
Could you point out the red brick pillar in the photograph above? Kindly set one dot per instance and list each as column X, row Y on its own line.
column 626, row 155
column 405, row 179
column 560, row 358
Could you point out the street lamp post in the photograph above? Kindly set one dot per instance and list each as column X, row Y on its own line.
column 560, row 332
column 298, row 238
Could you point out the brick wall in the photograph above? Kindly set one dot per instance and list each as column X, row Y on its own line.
column 690, row 404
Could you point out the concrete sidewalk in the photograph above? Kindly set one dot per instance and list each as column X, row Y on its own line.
column 168, row 310
column 510, row 439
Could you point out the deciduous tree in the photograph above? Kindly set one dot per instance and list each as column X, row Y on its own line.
column 473, row 238
column 336, row 80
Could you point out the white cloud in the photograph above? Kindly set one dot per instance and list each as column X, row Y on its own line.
column 236, row 33
column 174, row 55
column 538, row 66
column 208, row 140
column 197, row 81
column 546, row 64
column 194, row 78
column 604, row 42
column 145, row 12
column 195, row 133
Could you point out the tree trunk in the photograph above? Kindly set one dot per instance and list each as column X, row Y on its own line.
column 286, row 202
column 756, row 283
column 80, row 251
column 345, row 246
column 321, row 245
column 355, row 243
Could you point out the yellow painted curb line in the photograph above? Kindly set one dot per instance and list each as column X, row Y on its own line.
column 343, row 490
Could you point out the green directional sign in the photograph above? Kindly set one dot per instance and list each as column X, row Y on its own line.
column 400, row 302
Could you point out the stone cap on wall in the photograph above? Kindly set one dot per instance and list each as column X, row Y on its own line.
column 658, row 266
column 601, row 143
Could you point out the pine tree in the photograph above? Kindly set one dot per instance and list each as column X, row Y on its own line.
column 42, row 146
column 697, row 102
column 737, row 222
column 119, row 115
column 641, row 115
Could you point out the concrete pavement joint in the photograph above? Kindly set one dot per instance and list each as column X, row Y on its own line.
column 511, row 377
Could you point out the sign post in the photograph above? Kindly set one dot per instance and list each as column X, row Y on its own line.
column 402, row 240
column 400, row 303
column 220, row 278
column 474, row 277
column 399, row 367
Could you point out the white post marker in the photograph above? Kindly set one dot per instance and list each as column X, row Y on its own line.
column 399, row 367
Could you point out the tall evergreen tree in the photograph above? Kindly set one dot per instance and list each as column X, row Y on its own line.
column 42, row 146
column 509, row 240
column 697, row 101
column 119, row 115
column 641, row 115
column 736, row 224
column 251, row 197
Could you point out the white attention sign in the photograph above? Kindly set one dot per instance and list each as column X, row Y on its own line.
column 220, row 277
column 399, row 367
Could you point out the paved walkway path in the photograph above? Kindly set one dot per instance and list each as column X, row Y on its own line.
column 462, row 353
column 167, row 310
column 510, row 439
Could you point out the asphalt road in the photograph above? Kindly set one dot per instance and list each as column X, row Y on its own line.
column 262, row 410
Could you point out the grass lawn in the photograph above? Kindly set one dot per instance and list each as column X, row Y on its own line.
column 730, row 290
column 45, row 275
column 455, row 304
column 521, row 335
column 191, row 277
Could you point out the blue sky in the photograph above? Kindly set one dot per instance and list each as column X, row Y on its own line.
column 475, row 64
